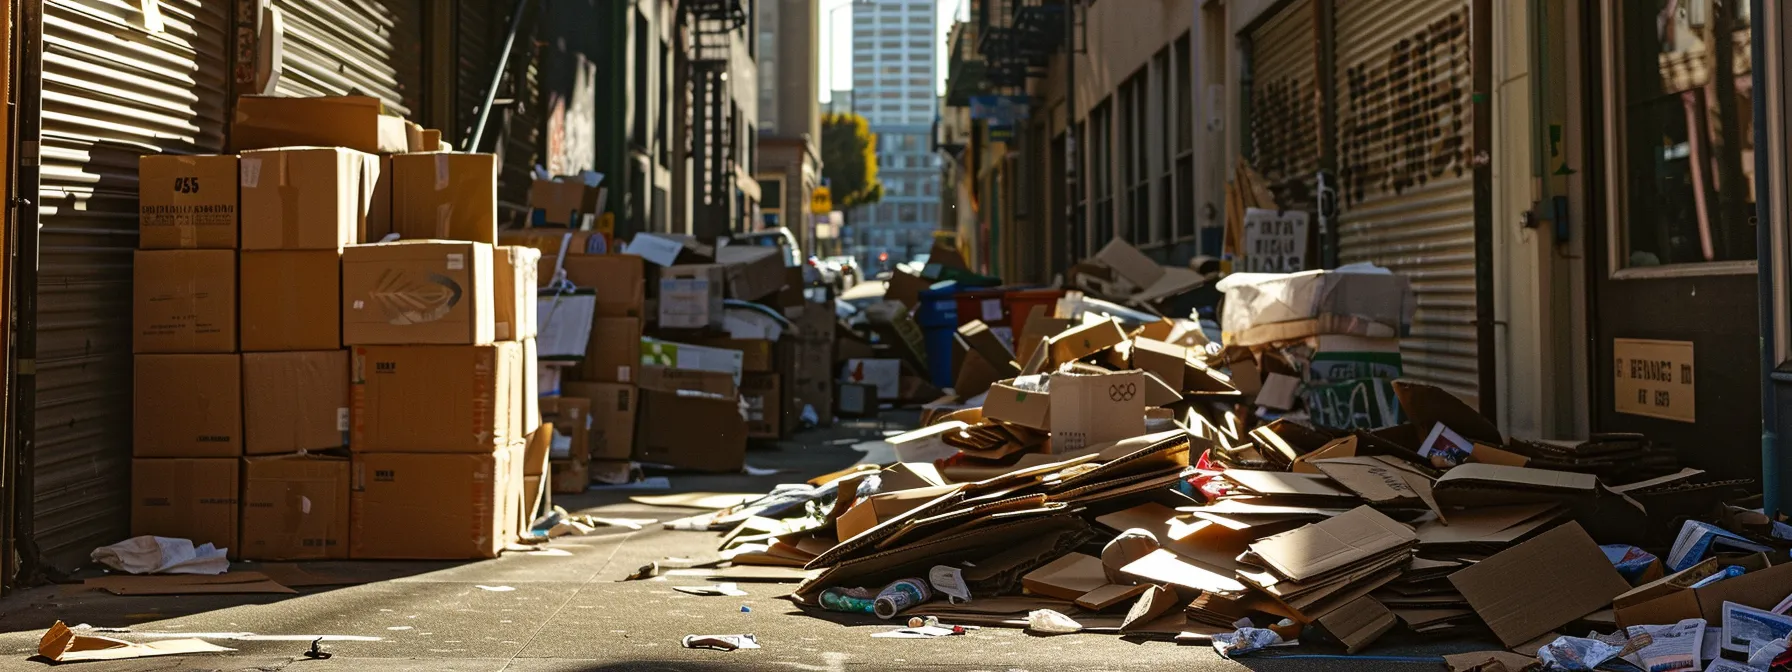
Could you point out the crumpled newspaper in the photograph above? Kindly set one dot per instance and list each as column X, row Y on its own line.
column 1243, row 641
column 162, row 555
column 1577, row 653
column 1763, row 657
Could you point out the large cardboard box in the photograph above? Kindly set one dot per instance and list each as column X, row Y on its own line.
column 1096, row 408
column 884, row 374
column 571, row 418
column 563, row 201
column 291, row 300
column 435, row 398
column 446, row 196
column 613, row 410
column 655, row 352
column 696, row 433
column 186, row 498
column 569, row 477
column 1672, row 596
column 355, row 122
column 1024, row 401
column 417, row 292
column 764, row 395
column 307, row 198
column 614, row 352
column 1254, row 300
column 513, row 292
column 1167, row 361
column 295, row 401
column 295, row 507
column 186, row 202
column 416, row 506
column 691, row 296
column 753, row 273
column 620, row 280
column 187, row 406
column 184, row 301
column 1084, row 340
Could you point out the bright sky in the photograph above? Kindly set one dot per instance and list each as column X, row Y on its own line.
column 836, row 64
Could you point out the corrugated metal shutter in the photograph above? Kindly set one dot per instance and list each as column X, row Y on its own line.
column 1284, row 100
column 366, row 47
column 1406, row 186
column 514, row 130
column 112, row 91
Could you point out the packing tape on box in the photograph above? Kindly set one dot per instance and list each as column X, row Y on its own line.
column 444, row 216
column 289, row 206
column 442, row 172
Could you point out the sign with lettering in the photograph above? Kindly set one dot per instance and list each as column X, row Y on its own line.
column 1654, row 378
column 1275, row 242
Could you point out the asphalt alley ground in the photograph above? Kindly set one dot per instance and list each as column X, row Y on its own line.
column 564, row 610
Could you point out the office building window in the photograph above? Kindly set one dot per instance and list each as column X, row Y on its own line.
column 1101, row 171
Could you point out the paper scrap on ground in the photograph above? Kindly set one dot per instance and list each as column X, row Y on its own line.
column 1671, row 648
column 61, row 644
column 721, row 642
column 162, row 555
column 751, row 470
column 495, row 589
column 707, row 501
column 923, row 632
column 729, row 589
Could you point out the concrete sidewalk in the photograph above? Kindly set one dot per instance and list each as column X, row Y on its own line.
column 564, row 610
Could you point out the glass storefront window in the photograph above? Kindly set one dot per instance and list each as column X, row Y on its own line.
column 1687, row 143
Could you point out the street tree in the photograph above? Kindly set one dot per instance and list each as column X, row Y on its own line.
column 849, row 160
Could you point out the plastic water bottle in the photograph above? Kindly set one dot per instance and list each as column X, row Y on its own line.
column 849, row 600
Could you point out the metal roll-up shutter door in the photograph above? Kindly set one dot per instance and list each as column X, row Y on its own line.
column 514, row 130
column 112, row 90
column 1284, row 117
column 365, row 47
column 1406, row 188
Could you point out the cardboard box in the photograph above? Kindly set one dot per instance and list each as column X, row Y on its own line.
column 184, row 301
column 291, row 300
column 1091, row 409
column 857, row 400
column 417, row 292
column 906, row 288
column 1081, row 341
column 295, row 507
column 752, row 272
column 613, row 410
column 908, row 476
column 186, row 498
column 1025, row 401
column 295, row 401
column 379, row 209
column 1254, row 300
column 756, row 354
column 666, row 379
column 1129, row 263
column 763, row 393
column 563, row 201
column 697, row 433
column 1165, row 360
column 883, row 374
column 1037, row 331
column 187, row 406
column 569, row 477
column 979, row 337
column 355, row 122
column 871, row 511
column 514, row 313
column 186, row 202
column 1541, row 585
column 656, row 352
column 614, row 352
column 620, row 280
column 306, row 198
column 571, row 419
column 435, row 398
column 531, row 387
column 412, row 506
column 445, row 196
column 1761, row 587
column 550, row 241
column 691, row 296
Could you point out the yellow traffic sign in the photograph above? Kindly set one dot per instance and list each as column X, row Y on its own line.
column 821, row 202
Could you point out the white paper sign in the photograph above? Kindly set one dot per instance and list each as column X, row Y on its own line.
column 1275, row 242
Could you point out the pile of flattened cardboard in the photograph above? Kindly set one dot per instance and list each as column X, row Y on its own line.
column 1112, row 482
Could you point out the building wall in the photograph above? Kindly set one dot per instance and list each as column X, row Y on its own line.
column 895, row 65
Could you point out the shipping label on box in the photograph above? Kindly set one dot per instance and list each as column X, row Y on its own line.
column 184, row 301
column 445, row 196
column 306, row 198
column 186, row 202
column 417, row 292
column 291, row 300
column 1092, row 409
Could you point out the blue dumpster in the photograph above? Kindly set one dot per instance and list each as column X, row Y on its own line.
column 938, row 318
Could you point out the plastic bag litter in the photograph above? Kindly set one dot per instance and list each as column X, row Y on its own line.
column 162, row 555
column 1243, row 641
column 1577, row 653
column 1046, row 621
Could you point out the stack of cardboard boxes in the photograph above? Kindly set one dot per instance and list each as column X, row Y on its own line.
column 255, row 429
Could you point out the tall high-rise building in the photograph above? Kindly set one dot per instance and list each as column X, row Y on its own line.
column 895, row 61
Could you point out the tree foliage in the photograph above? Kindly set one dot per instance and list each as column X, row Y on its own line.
column 849, row 160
